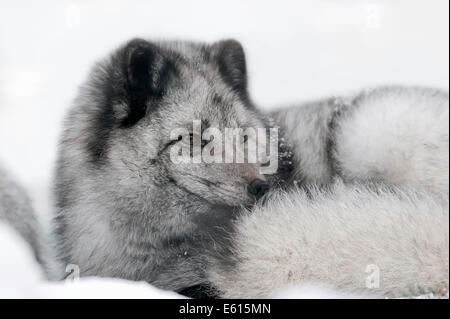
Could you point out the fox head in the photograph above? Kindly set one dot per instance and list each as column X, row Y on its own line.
column 120, row 134
column 126, row 205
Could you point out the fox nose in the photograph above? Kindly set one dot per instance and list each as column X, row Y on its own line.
column 258, row 188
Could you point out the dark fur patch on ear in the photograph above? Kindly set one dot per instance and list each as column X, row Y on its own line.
column 147, row 74
column 125, row 87
column 232, row 66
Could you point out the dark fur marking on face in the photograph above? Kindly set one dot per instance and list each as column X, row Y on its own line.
column 171, row 180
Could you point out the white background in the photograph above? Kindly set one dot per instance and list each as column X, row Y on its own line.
column 296, row 50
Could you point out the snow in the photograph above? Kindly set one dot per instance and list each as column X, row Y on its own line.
column 21, row 277
column 296, row 50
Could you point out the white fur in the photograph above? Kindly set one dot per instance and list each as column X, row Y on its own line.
column 397, row 135
column 314, row 291
column 332, row 239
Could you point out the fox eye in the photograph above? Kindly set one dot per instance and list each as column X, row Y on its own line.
column 193, row 138
column 243, row 139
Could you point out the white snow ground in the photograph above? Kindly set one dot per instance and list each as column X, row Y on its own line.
column 21, row 277
column 297, row 50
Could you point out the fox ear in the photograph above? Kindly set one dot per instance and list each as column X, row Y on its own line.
column 147, row 73
column 230, row 59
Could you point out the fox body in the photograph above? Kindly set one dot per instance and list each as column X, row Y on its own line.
column 125, row 209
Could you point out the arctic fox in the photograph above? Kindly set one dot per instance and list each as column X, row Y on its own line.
column 125, row 209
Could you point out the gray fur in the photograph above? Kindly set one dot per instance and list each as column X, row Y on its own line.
column 16, row 209
column 306, row 129
column 395, row 135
